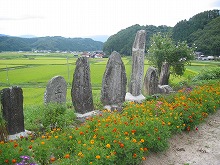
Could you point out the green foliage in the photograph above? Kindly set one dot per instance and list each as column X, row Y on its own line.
column 211, row 74
column 208, row 39
column 202, row 29
column 49, row 43
column 122, row 41
column 163, row 49
column 48, row 117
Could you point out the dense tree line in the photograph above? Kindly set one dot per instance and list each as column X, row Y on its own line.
column 8, row 43
column 201, row 30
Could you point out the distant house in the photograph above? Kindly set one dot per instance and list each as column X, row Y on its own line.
column 85, row 54
column 98, row 55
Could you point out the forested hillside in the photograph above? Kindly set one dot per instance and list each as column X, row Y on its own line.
column 8, row 43
column 203, row 29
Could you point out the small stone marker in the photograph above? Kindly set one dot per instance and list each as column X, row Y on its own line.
column 164, row 74
column 165, row 89
column 56, row 90
column 12, row 107
column 137, row 74
column 150, row 86
column 81, row 91
column 114, row 82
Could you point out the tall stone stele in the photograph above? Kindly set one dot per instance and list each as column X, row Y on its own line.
column 164, row 74
column 150, row 86
column 81, row 91
column 114, row 82
column 56, row 90
column 137, row 74
column 12, row 108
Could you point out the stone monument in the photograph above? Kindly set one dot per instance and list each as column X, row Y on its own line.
column 150, row 86
column 56, row 90
column 12, row 109
column 164, row 74
column 137, row 74
column 114, row 82
column 81, row 91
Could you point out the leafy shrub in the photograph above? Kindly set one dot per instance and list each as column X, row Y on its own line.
column 208, row 75
column 48, row 117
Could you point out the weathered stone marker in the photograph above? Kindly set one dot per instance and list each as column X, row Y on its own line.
column 164, row 74
column 150, row 86
column 81, row 91
column 114, row 82
column 137, row 74
column 56, row 90
column 12, row 107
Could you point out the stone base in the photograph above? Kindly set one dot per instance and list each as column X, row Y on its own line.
column 83, row 117
column 113, row 107
column 130, row 97
column 26, row 133
column 165, row 89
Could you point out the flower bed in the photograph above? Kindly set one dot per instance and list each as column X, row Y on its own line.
column 119, row 138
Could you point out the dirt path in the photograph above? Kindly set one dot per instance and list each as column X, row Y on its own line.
column 200, row 147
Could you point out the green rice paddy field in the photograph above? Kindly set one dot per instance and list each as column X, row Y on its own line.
column 33, row 71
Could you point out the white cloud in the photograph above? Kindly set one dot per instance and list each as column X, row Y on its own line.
column 75, row 18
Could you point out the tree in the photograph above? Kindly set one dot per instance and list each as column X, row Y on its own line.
column 163, row 49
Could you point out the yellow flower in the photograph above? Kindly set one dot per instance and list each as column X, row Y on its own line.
column 79, row 142
column 80, row 154
column 70, row 137
column 177, row 126
column 84, row 145
column 56, row 137
column 107, row 157
column 108, row 145
column 98, row 157
column 42, row 143
column 169, row 123
column 90, row 162
column 134, row 140
column 142, row 140
column 92, row 141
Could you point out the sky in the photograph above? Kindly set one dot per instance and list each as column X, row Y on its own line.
column 81, row 18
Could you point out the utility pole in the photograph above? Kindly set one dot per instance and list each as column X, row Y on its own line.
column 68, row 69
column 7, row 78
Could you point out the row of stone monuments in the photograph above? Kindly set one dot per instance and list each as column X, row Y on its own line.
column 113, row 92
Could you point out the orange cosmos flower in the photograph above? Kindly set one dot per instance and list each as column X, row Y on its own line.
column 98, row 157
column 15, row 145
column 52, row 159
column 134, row 155
column 13, row 161
column 122, row 145
column 67, row 156
column 126, row 133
